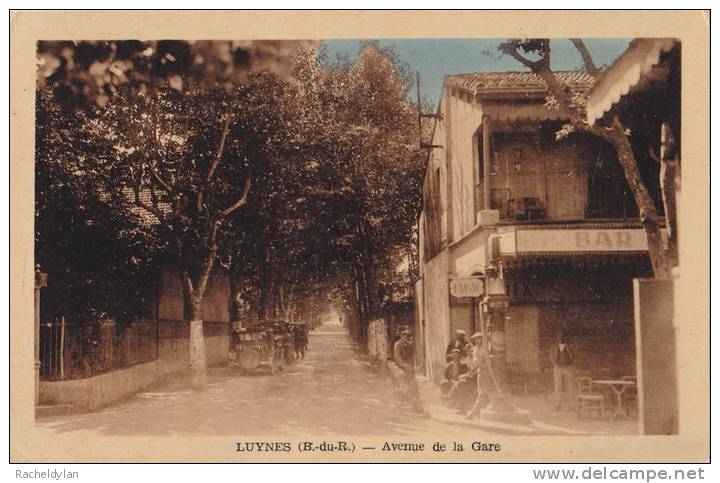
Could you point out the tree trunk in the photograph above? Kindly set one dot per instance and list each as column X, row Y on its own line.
column 196, row 340
column 359, row 299
column 669, row 183
column 359, row 294
column 372, row 288
column 266, row 288
column 195, row 293
column 198, row 361
column 364, row 295
column 645, row 204
column 233, row 303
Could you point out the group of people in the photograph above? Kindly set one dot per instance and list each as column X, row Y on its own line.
column 469, row 380
column 469, row 377
column 299, row 340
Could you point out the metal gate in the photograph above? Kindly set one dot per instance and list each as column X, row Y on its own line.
column 52, row 349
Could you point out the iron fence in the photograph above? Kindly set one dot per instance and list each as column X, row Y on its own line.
column 72, row 350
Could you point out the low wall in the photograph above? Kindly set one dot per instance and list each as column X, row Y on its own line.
column 95, row 392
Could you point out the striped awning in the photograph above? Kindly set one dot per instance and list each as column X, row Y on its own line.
column 625, row 73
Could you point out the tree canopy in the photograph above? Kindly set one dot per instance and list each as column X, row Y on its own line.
column 302, row 180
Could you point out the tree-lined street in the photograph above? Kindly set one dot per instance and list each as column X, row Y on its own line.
column 296, row 175
column 335, row 391
column 197, row 190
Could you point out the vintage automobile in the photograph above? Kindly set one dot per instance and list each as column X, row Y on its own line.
column 262, row 343
column 253, row 348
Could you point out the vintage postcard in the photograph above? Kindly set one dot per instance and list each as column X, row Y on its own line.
column 408, row 236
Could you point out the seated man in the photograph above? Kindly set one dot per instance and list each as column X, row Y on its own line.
column 458, row 342
column 464, row 391
column 453, row 371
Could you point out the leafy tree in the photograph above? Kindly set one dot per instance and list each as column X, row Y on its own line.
column 339, row 192
column 304, row 182
column 368, row 184
column 158, row 136
column 91, row 73
column 535, row 55
column 188, row 159
column 100, row 259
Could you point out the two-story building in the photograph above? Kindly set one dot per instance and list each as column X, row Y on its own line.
column 550, row 227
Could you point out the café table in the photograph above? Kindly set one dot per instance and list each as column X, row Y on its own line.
column 618, row 387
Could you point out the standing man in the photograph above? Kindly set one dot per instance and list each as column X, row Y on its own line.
column 563, row 362
column 300, row 341
column 404, row 356
column 458, row 342
column 483, row 377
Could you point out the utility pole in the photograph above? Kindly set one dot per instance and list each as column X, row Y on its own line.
column 421, row 115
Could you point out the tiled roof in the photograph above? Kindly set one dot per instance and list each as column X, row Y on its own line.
column 146, row 218
column 516, row 81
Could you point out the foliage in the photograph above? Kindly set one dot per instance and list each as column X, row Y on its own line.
column 340, row 191
column 99, row 259
column 304, row 181
column 88, row 73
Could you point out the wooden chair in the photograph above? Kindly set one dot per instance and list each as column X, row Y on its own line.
column 588, row 401
column 631, row 394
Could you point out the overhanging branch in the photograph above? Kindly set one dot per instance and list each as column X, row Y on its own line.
column 164, row 184
column 216, row 160
column 590, row 66
column 241, row 201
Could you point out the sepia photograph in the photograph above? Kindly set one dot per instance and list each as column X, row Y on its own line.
column 362, row 247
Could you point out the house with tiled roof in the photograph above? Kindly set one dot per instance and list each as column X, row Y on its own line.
column 523, row 236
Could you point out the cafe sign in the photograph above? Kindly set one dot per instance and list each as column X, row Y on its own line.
column 467, row 287
column 592, row 240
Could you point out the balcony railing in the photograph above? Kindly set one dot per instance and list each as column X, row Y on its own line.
column 511, row 208
column 534, row 209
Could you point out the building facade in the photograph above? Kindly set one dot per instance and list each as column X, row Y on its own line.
column 643, row 88
column 549, row 227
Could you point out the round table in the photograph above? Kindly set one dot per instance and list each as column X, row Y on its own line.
column 618, row 386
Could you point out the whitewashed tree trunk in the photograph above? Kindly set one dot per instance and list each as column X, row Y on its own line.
column 198, row 360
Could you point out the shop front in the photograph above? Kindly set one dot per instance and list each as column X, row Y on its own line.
column 588, row 298
column 575, row 280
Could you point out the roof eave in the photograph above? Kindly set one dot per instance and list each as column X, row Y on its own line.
column 626, row 72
